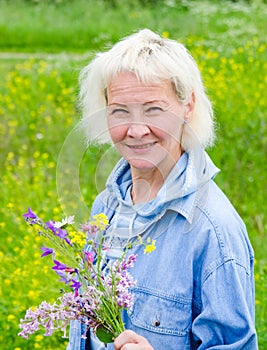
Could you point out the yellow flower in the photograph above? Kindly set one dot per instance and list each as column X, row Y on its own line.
column 39, row 337
column 100, row 221
column 10, row 205
column 166, row 34
column 78, row 238
column 10, row 318
column 150, row 246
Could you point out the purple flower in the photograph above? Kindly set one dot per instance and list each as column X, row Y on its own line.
column 90, row 229
column 89, row 256
column 50, row 225
column 127, row 264
column 30, row 216
column 62, row 234
column 67, row 240
column 63, row 276
column 59, row 266
column 75, row 285
column 46, row 251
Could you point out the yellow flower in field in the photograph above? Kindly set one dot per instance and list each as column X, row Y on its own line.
column 166, row 34
column 36, row 154
column 66, row 91
column 212, row 70
column 18, row 80
column 17, row 348
column 38, row 239
column 56, row 210
column 150, row 247
column 10, row 205
column 51, row 165
column 69, row 121
column 262, row 48
column 13, row 123
column 39, row 337
column 11, row 106
column 37, row 262
column 17, row 272
column 13, row 90
column 33, row 293
column 100, row 221
column 21, row 162
column 53, row 73
column 11, row 318
column 49, row 97
column 45, row 155
column 36, row 254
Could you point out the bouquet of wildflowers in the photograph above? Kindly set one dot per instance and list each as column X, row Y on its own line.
column 99, row 291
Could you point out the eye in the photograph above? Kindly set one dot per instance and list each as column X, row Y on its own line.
column 117, row 111
column 154, row 110
column 120, row 110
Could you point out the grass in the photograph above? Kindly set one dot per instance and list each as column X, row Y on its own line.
column 38, row 111
column 34, row 26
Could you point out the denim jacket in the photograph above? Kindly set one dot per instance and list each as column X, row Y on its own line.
column 196, row 290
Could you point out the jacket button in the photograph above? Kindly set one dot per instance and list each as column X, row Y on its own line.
column 157, row 323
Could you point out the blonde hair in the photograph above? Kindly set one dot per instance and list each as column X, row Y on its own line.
column 151, row 58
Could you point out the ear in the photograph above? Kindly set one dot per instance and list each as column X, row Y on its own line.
column 189, row 107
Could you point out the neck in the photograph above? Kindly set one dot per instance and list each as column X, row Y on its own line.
column 145, row 186
column 148, row 182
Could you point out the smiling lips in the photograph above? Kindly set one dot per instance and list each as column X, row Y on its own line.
column 144, row 146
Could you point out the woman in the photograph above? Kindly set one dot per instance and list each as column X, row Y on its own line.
column 196, row 291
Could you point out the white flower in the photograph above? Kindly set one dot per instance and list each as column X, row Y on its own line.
column 69, row 220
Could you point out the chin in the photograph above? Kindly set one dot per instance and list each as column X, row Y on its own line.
column 144, row 164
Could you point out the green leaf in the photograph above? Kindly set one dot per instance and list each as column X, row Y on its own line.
column 104, row 336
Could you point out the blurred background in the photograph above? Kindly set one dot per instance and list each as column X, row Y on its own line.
column 43, row 46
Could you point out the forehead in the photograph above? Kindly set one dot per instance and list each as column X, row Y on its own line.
column 126, row 87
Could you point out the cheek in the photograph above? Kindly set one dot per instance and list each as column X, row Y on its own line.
column 117, row 132
column 168, row 134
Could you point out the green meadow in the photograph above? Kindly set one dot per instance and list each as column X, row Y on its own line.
column 43, row 46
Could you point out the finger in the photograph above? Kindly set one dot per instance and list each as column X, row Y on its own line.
column 124, row 338
column 129, row 340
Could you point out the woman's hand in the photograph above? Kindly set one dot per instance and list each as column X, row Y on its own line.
column 129, row 340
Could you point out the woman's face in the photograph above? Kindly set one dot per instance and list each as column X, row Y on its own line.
column 145, row 121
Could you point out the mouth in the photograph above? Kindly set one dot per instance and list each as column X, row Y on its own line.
column 144, row 146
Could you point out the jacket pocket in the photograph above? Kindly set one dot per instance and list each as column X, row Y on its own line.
column 161, row 314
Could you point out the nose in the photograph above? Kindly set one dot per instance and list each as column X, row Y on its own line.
column 138, row 130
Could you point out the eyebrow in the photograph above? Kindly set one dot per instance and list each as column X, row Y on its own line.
column 144, row 104
column 154, row 101
column 117, row 104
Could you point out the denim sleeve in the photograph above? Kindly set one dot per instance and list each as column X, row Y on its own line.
column 74, row 336
column 226, row 320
